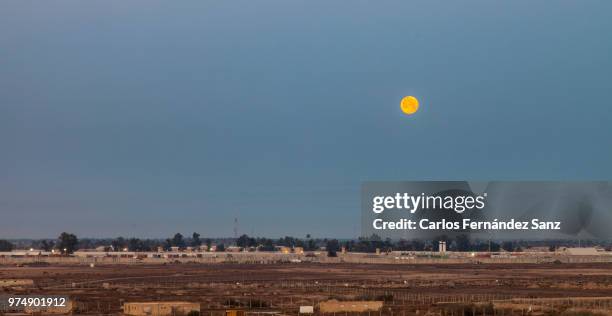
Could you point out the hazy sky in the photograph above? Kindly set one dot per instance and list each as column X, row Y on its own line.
column 144, row 118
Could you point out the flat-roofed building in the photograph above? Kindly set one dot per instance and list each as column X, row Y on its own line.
column 587, row 251
column 160, row 308
column 335, row 306
column 64, row 309
column 16, row 282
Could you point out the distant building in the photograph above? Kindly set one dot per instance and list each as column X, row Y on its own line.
column 234, row 312
column 307, row 309
column 537, row 249
column 442, row 246
column 233, row 249
column 160, row 308
column 16, row 282
column 283, row 249
column 96, row 254
column 589, row 251
column 334, row 306
column 50, row 310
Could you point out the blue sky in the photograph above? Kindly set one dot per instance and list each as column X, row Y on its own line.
column 144, row 118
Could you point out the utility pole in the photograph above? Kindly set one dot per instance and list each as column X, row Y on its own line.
column 236, row 227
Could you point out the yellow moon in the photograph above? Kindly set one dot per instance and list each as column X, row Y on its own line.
column 409, row 105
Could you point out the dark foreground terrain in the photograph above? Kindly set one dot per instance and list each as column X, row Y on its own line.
column 538, row 289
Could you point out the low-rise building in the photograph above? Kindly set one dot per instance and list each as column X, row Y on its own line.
column 537, row 249
column 16, row 282
column 233, row 249
column 306, row 309
column 65, row 309
column 159, row 308
column 283, row 249
column 586, row 251
column 335, row 306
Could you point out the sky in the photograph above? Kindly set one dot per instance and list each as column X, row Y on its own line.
column 146, row 118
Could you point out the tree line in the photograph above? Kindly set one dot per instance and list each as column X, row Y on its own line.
column 67, row 243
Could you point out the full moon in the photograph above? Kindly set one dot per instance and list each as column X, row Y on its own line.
column 409, row 105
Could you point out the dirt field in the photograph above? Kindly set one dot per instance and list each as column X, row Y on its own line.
column 405, row 289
